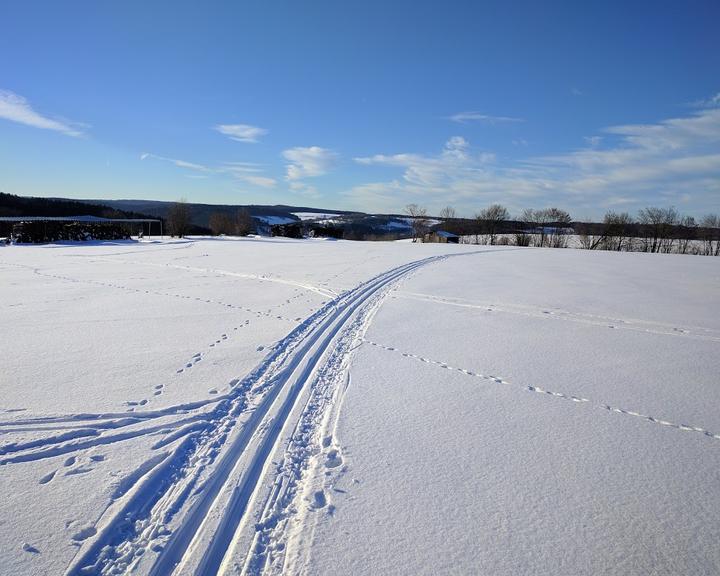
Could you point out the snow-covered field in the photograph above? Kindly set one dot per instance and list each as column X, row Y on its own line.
column 278, row 406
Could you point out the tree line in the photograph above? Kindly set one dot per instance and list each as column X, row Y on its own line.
column 179, row 222
column 653, row 229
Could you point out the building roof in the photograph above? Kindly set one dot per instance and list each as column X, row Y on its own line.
column 96, row 219
column 445, row 234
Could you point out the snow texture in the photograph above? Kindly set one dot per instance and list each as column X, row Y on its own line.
column 269, row 406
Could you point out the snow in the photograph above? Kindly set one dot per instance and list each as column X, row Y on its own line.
column 397, row 225
column 274, row 220
column 292, row 406
column 315, row 215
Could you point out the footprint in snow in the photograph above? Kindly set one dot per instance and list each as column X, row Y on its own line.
column 45, row 479
column 78, row 470
column 333, row 459
column 260, row 348
column 30, row 548
column 84, row 533
column 319, row 499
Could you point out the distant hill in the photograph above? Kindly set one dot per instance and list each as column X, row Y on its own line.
column 355, row 225
column 200, row 213
column 11, row 205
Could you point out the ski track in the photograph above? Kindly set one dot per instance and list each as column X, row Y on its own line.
column 539, row 390
column 214, row 461
column 633, row 324
column 210, row 549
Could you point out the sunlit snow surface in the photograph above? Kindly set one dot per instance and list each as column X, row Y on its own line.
column 220, row 405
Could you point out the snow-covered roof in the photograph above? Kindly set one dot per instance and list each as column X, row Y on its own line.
column 445, row 234
column 72, row 219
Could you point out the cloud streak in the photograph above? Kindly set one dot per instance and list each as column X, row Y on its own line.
column 465, row 117
column 16, row 108
column 241, row 132
column 245, row 172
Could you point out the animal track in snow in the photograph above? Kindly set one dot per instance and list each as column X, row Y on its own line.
column 319, row 499
column 198, row 356
column 632, row 324
column 539, row 390
column 45, row 479
column 333, row 459
column 84, row 533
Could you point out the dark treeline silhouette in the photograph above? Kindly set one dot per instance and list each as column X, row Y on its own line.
column 11, row 205
column 16, row 206
column 652, row 230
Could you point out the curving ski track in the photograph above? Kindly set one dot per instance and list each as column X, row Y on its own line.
column 193, row 509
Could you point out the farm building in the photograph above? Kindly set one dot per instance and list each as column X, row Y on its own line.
column 39, row 229
column 441, row 237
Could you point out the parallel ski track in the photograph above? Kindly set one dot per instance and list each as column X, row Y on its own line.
column 242, row 429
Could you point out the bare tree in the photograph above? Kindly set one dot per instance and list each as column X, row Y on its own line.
column 616, row 234
column 447, row 213
column 710, row 234
column 535, row 219
column 419, row 221
column 178, row 218
column 687, row 232
column 549, row 226
column 244, row 223
column 490, row 219
column 559, row 222
column 221, row 223
column 656, row 228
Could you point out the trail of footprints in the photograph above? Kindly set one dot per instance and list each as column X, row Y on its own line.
column 257, row 313
column 73, row 466
column 198, row 356
column 635, row 325
column 539, row 390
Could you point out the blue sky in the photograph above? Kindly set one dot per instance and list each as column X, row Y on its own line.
column 367, row 105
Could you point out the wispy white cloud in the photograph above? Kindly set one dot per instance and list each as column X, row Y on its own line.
column 16, row 108
column 178, row 163
column 262, row 181
column 245, row 172
column 308, row 162
column 241, row 132
column 464, row 117
column 671, row 161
